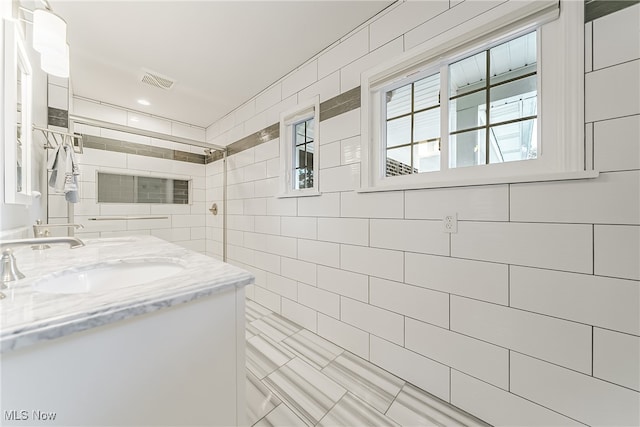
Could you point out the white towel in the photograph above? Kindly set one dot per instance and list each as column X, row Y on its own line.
column 64, row 172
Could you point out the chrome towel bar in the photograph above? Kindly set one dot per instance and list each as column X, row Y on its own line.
column 124, row 218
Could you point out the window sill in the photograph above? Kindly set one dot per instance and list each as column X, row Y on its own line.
column 562, row 176
column 300, row 194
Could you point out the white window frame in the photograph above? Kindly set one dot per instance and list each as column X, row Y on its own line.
column 560, row 74
column 303, row 111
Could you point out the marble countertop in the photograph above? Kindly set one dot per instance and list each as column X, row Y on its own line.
column 28, row 316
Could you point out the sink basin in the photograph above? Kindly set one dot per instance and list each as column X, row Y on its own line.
column 105, row 276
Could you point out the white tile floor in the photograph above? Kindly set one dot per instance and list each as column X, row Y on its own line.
column 296, row 378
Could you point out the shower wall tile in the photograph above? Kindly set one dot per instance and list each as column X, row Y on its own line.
column 615, row 144
column 615, row 358
column 325, row 205
column 382, row 323
column 555, row 246
column 305, row 228
column 612, row 198
column 344, row 230
column 615, row 38
column 409, row 235
column 320, row 300
column 499, row 407
column 325, row 88
column 340, row 127
column 299, row 270
column 372, row 261
column 413, row 367
column 269, row 97
column 582, row 298
column 549, row 385
column 484, row 203
column 321, row 253
column 480, row 359
column 475, row 279
column 345, row 283
column 558, row 341
column 372, row 205
column 606, row 101
column 344, row 52
column 402, row 19
column 616, row 251
column 351, row 73
column 300, row 78
column 411, row 301
column 346, row 336
column 304, row 316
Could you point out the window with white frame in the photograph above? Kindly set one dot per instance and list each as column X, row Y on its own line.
column 299, row 150
column 468, row 109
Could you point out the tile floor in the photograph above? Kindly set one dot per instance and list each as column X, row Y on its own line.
column 296, row 378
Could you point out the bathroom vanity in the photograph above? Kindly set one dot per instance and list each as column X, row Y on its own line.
column 124, row 331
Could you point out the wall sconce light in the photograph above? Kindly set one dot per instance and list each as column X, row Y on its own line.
column 50, row 39
column 56, row 64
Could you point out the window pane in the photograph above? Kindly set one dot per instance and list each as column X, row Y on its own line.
column 513, row 58
column 399, row 131
column 513, row 142
column 468, row 74
column 114, row 188
column 514, row 100
column 300, row 181
column 399, row 101
column 399, row 161
column 467, row 112
column 303, row 178
column 426, row 92
column 300, row 132
column 304, row 158
column 467, row 148
column 426, row 125
column 309, row 130
column 427, row 156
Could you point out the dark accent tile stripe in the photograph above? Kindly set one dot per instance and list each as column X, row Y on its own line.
column 594, row 9
column 343, row 103
column 58, row 117
column 107, row 144
column 264, row 135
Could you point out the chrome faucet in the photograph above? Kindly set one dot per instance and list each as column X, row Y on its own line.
column 42, row 230
column 8, row 268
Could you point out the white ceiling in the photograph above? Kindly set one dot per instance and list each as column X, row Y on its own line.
column 221, row 53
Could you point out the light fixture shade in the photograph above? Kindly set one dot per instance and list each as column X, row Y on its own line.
column 56, row 64
column 49, row 33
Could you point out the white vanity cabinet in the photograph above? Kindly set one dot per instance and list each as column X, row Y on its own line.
column 164, row 352
column 179, row 366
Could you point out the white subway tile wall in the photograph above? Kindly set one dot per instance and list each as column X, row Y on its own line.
column 542, row 274
column 184, row 225
column 528, row 315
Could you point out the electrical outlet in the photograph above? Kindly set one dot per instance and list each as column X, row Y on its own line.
column 450, row 223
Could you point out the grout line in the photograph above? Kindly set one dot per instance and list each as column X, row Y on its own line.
column 593, row 249
column 592, row 348
column 509, row 370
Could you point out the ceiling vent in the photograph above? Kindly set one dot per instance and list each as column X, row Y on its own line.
column 157, row 80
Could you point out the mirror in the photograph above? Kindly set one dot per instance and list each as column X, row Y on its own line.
column 17, row 107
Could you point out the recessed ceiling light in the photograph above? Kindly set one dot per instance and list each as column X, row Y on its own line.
column 143, row 102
